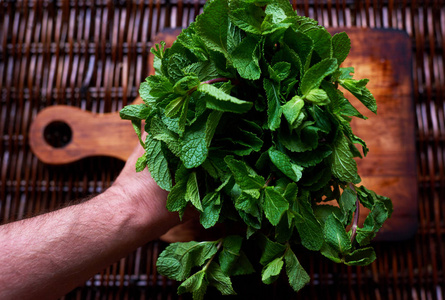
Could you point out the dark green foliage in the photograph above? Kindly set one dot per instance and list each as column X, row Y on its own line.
column 246, row 124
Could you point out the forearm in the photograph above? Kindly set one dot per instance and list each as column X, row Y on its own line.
column 47, row 256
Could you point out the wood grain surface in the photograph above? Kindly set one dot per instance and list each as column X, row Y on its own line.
column 383, row 56
column 87, row 139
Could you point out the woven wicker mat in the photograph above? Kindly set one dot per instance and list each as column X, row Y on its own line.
column 93, row 55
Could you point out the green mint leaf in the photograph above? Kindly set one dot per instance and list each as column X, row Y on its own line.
column 372, row 224
column 155, row 87
column 175, row 107
column 253, row 223
column 292, row 110
column 346, row 73
column 336, row 236
column 302, row 45
column 347, row 203
column 230, row 253
column 247, row 16
column 305, row 140
column 317, row 179
column 309, row 228
column 274, row 205
column 177, row 260
column 347, row 130
column 158, row 52
column 248, row 202
column 243, row 265
column 341, row 44
column 232, row 259
column 211, row 125
column 216, row 166
column 137, row 128
column 359, row 90
column 175, row 64
column 296, row 274
column 185, row 84
column 135, row 112
column 194, row 145
column 234, row 38
column 218, row 279
column 248, row 207
column 340, row 105
column 280, row 71
column 244, row 176
column 323, row 118
column 141, row 163
column 176, row 198
column 245, row 58
column 272, row 270
column 343, row 164
column 192, row 191
column 315, row 74
column 288, row 56
column 285, row 165
column 306, row 24
column 290, row 193
column 246, row 142
column 318, row 96
column 274, row 30
column 157, row 163
column 259, row 3
column 212, row 26
column 322, row 42
column 323, row 212
column 221, row 101
column 195, row 284
column 280, row 10
column 205, row 70
column 191, row 41
column 312, row 158
column 331, row 253
column 368, row 199
column 274, row 109
column 386, row 202
column 211, row 204
column 178, row 124
column 172, row 124
column 284, row 229
column 360, row 257
column 271, row 250
column 161, row 133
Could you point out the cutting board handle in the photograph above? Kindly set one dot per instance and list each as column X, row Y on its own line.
column 63, row 134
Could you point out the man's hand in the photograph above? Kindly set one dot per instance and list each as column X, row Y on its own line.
column 47, row 256
column 145, row 196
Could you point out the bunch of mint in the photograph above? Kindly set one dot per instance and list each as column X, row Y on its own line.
column 246, row 124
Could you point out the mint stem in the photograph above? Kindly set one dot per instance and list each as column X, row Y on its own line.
column 217, row 249
column 269, row 179
column 356, row 215
column 215, row 80
column 222, row 79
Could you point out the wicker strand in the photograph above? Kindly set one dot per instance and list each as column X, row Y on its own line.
column 94, row 55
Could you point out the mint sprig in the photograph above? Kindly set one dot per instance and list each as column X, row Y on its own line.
column 247, row 125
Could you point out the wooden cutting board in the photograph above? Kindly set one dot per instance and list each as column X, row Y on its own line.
column 383, row 56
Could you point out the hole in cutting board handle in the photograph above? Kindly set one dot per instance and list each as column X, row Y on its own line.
column 58, row 134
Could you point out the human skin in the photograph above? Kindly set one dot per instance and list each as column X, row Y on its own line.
column 47, row 256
